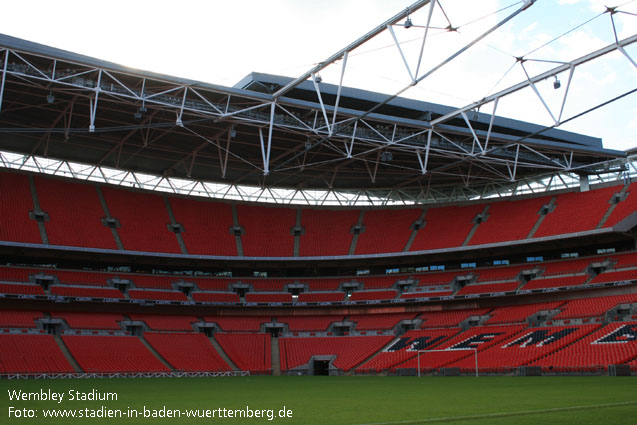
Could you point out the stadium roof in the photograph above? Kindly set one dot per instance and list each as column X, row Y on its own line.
column 274, row 132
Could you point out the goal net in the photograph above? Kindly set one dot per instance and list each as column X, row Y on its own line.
column 421, row 352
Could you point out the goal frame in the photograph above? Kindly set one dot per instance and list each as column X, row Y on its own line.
column 475, row 355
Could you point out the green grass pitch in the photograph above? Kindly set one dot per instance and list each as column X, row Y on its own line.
column 343, row 400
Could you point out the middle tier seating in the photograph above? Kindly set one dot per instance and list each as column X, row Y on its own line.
column 159, row 322
column 18, row 318
column 592, row 307
column 81, row 320
column 308, row 323
column 138, row 294
column 379, row 321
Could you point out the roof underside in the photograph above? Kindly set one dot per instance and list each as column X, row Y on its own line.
column 61, row 105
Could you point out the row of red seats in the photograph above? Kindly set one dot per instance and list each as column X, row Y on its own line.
column 248, row 351
column 349, row 350
column 268, row 230
column 187, row 352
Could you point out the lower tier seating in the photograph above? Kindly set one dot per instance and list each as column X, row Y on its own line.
column 461, row 346
column 248, row 351
column 524, row 348
column 349, row 350
column 112, row 354
column 615, row 343
column 31, row 354
column 188, row 352
column 405, row 348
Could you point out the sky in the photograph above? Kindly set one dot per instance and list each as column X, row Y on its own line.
column 220, row 42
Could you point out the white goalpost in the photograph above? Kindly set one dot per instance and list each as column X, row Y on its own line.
column 475, row 355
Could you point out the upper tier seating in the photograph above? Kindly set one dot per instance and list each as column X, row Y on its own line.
column 15, row 224
column 250, row 352
column 446, row 227
column 188, row 352
column 577, row 212
column 267, row 231
column 336, row 224
column 77, row 220
column 509, row 220
column 389, row 229
column 111, row 354
column 624, row 208
column 143, row 219
column 349, row 350
column 31, row 354
column 206, row 226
